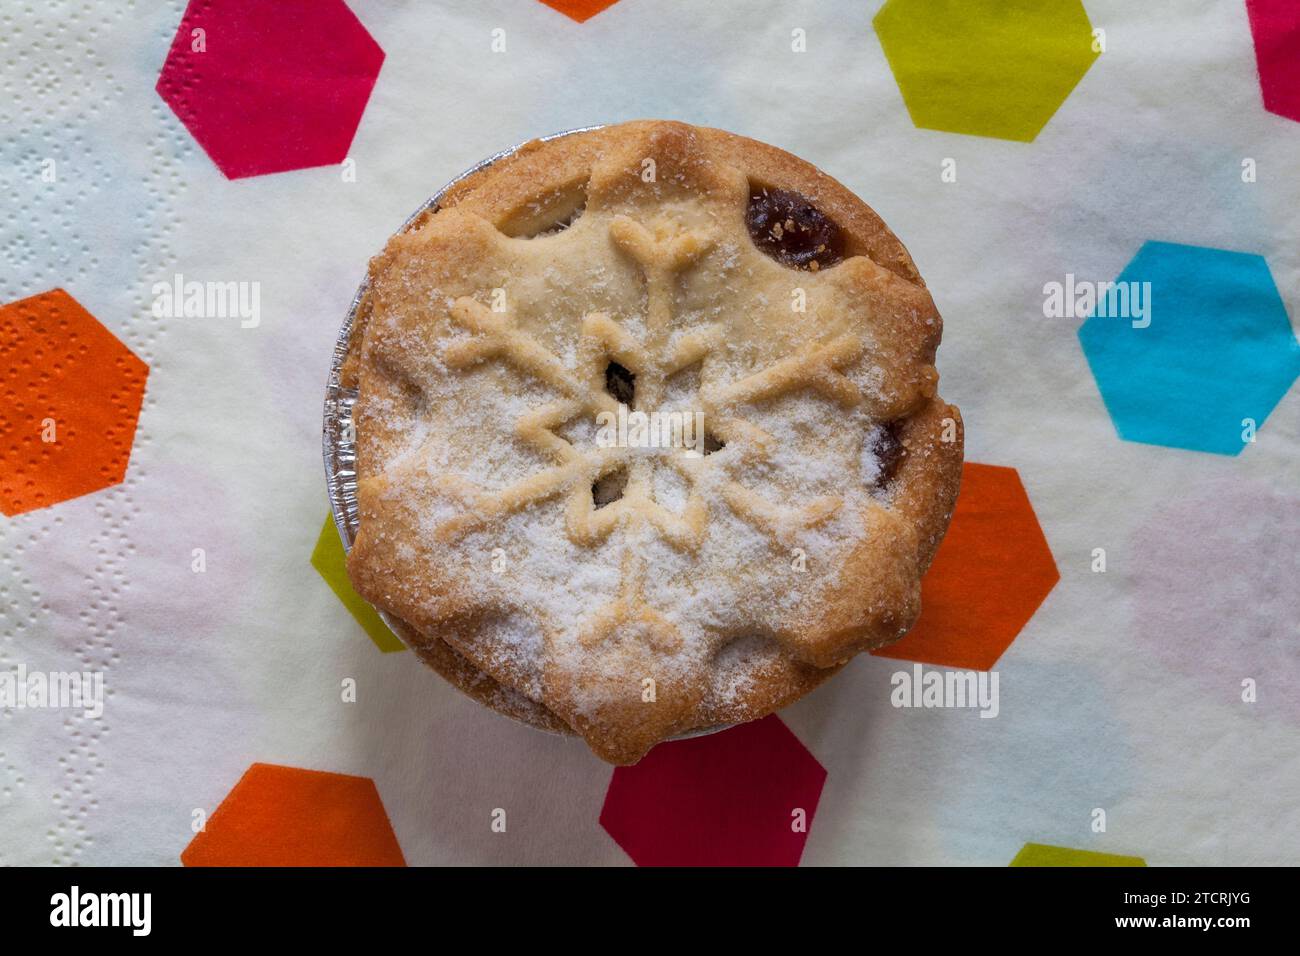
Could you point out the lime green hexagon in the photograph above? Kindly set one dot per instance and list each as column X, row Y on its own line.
column 330, row 560
column 1040, row 854
column 986, row 67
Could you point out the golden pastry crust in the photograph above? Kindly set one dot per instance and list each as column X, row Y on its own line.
column 706, row 588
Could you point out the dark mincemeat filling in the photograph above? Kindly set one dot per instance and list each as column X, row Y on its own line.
column 889, row 451
column 788, row 227
column 620, row 383
column 610, row 488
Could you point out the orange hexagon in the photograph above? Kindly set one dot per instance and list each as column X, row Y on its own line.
column 283, row 816
column 71, row 392
column 580, row 10
column 991, row 573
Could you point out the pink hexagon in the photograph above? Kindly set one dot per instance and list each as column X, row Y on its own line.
column 744, row 797
column 268, row 87
column 1275, row 26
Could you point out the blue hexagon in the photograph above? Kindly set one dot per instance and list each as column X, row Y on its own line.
column 1214, row 348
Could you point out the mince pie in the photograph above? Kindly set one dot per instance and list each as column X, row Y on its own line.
column 648, row 435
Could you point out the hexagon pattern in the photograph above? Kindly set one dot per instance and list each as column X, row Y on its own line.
column 580, row 10
column 1275, row 27
column 330, row 561
column 997, row 68
column 268, row 87
column 990, row 574
column 283, row 816
column 1218, row 349
column 742, row 797
column 72, row 394
column 1040, row 854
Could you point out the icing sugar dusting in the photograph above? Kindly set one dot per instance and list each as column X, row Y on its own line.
column 539, row 587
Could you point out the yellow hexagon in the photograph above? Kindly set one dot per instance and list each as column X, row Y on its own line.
column 996, row 68
column 1040, row 854
column 329, row 559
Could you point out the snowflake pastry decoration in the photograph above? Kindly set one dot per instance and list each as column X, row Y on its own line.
column 629, row 616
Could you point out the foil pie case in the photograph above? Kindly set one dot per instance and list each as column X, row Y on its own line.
column 339, row 448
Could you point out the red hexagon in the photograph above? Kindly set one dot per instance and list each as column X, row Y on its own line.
column 72, row 393
column 744, row 797
column 991, row 573
column 1275, row 26
column 283, row 816
column 267, row 87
